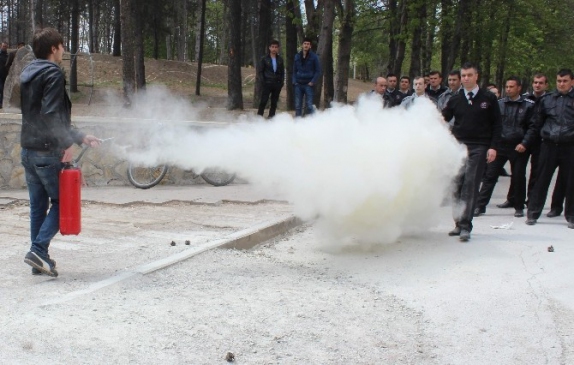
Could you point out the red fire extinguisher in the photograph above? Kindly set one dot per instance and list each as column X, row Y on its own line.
column 70, row 200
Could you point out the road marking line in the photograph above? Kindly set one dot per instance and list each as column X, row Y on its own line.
column 245, row 238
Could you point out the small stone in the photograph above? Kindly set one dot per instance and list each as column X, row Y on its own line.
column 173, row 243
column 550, row 249
column 230, row 357
column 187, row 242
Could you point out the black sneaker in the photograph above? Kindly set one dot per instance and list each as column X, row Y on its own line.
column 45, row 267
column 553, row 213
column 479, row 211
column 519, row 213
column 530, row 221
column 504, row 205
column 38, row 272
column 464, row 235
column 455, row 232
column 571, row 225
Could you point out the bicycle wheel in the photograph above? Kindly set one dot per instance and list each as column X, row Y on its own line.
column 146, row 177
column 217, row 177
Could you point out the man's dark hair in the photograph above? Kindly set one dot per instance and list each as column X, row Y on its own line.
column 491, row 85
column 406, row 78
column 43, row 41
column 274, row 42
column 435, row 72
column 307, row 39
column 565, row 72
column 21, row 44
column 540, row 75
column 468, row 65
column 455, row 73
column 516, row 79
column 390, row 74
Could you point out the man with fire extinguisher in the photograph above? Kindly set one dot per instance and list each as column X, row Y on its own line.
column 47, row 137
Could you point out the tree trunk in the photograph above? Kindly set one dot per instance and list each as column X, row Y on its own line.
column 314, row 16
column 156, row 19
column 253, row 32
column 420, row 13
column 430, row 30
column 457, row 37
column 128, row 64
column 298, row 17
column 347, row 16
column 291, row 48
column 181, row 31
column 139, row 63
column 200, row 47
column 75, row 44
column 234, row 81
column 504, row 45
column 393, row 34
column 39, row 14
column 224, row 42
column 467, row 30
column 117, row 47
column 401, row 44
column 325, row 50
column 487, row 53
column 446, row 30
column 96, row 33
column 91, row 26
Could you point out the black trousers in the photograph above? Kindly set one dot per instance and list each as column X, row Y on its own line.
column 466, row 185
column 534, row 157
column 518, row 164
column 558, row 194
column 269, row 89
column 554, row 156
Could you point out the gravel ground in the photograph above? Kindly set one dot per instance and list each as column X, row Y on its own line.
column 259, row 307
column 502, row 298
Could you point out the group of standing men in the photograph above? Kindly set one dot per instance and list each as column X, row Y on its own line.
column 271, row 74
column 520, row 126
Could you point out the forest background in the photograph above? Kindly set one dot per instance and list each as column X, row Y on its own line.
column 359, row 39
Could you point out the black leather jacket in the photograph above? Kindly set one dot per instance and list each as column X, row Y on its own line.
column 266, row 73
column 555, row 118
column 388, row 101
column 518, row 121
column 46, row 108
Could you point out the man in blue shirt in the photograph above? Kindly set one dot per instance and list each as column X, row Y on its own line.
column 306, row 72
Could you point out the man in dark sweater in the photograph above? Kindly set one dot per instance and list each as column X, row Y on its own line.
column 271, row 71
column 555, row 120
column 477, row 125
column 435, row 88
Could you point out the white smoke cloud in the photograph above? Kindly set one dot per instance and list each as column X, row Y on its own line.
column 365, row 173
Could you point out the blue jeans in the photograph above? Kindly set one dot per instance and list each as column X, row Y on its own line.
column 42, row 177
column 301, row 90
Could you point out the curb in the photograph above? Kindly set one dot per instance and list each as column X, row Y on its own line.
column 242, row 240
